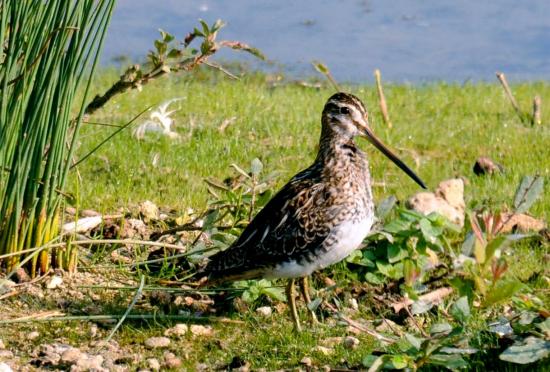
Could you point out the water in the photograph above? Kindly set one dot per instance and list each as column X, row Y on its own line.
column 410, row 41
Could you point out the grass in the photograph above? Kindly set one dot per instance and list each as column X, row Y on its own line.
column 439, row 129
column 445, row 127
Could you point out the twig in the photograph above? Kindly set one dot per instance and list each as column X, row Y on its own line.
column 537, row 110
column 50, row 316
column 220, row 68
column 411, row 317
column 382, row 99
column 502, row 78
column 358, row 325
column 138, row 295
column 323, row 69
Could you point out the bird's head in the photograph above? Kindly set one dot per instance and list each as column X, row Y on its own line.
column 345, row 116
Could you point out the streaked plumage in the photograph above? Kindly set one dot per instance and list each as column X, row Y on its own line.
column 320, row 216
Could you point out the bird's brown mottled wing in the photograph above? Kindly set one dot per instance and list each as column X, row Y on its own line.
column 288, row 228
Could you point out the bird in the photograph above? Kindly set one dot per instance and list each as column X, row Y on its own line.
column 318, row 218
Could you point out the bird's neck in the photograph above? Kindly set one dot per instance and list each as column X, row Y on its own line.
column 335, row 146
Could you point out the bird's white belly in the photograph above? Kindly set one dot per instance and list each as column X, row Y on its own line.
column 348, row 236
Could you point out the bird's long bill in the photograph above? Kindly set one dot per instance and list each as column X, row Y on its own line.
column 380, row 146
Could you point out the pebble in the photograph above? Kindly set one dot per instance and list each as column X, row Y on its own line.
column 171, row 360
column 199, row 330
column 71, row 356
column 153, row 364
column 306, row 361
column 265, row 311
column 33, row 335
column 88, row 363
column 353, row 303
column 54, row 282
column 5, row 368
column 177, row 330
column 2, row 346
column 351, row 342
column 157, row 342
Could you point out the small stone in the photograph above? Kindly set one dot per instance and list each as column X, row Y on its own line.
column 177, row 330
column 33, row 335
column 306, row 361
column 153, row 364
column 5, row 368
column 88, row 363
column 351, row 342
column 171, row 361
column 157, row 342
column 71, row 356
column 6, row 286
column 54, row 282
column 93, row 330
column 2, row 346
column 265, row 311
column 6, row 354
column 485, row 165
column 149, row 210
column 329, row 282
column 323, row 350
column 199, row 330
column 353, row 304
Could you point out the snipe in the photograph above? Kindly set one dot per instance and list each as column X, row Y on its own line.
column 319, row 217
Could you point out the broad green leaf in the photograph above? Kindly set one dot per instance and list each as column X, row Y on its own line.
column 457, row 350
column 451, row 361
column 529, row 351
column 385, row 207
column 397, row 225
column 429, row 231
column 464, row 287
column 440, row 328
column 389, row 270
column 396, row 253
column 499, row 242
column 528, row 192
column 398, row 361
column 502, row 291
column 274, row 293
column 374, row 279
column 461, row 309
column 421, row 307
column 414, row 341
column 256, row 167
column 205, row 28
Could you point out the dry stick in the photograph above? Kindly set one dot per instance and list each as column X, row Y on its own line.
column 502, row 78
column 51, row 318
column 382, row 98
column 138, row 294
column 537, row 102
column 323, row 69
column 358, row 325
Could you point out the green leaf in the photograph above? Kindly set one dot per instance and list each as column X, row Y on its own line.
column 373, row 278
column 205, row 28
column 529, row 351
column 461, row 309
column 398, row 361
column 440, row 328
column 421, row 307
column 502, row 291
column 451, row 361
column 429, row 231
column 256, row 167
column 528, row 192
column 497, row 243
column 397, row 225
column 396, row 253
column 166, row 37
column 414, row 341
column 389, row 270
column 385, row 207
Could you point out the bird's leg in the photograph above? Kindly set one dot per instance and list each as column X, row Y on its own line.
column 304, row 287
column 291, row 297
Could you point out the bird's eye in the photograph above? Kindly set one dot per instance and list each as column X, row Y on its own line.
column 344, row 110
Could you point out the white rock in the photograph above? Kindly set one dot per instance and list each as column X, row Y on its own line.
column 306, row 361
column 154, row 364
column 71, row 356
column 171, row 360
column 177, row 330
column 82, row 225
column 149, row 210
column 199, row 330
column 351, row 342
column 157, row 342
column 2, row 346
column 33, row 335
column 5, row 368
column 265, row 311
column 89, row 363
column 353, row 304
column 54, row 282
